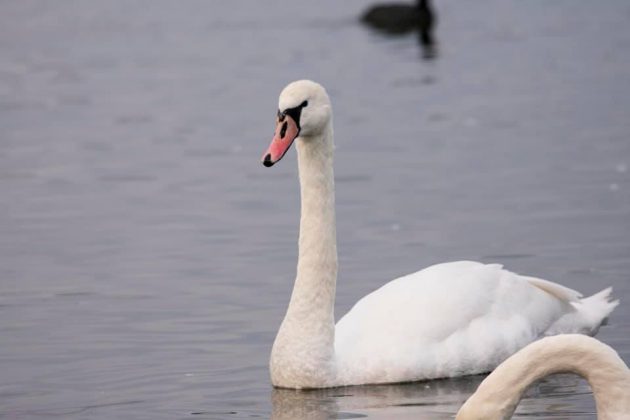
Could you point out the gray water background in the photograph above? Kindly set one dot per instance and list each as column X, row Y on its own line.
column 147, row 257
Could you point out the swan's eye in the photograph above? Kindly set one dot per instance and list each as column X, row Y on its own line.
column 304, row 104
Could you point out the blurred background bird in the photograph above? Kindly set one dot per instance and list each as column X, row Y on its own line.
column 402, row 18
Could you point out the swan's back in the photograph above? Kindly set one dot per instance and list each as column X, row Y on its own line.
column 451, row 319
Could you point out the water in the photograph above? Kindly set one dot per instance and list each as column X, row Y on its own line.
column 146, row 257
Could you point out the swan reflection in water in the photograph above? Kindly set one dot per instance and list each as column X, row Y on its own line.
column 401, row 18
column 434, row 400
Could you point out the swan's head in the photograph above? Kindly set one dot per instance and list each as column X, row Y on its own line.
column 303, row 111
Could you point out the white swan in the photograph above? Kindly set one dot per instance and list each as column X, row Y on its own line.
column 447, row 320
column 499, row 394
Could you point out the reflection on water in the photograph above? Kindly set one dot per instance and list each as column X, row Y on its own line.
column 399, row 19
column 438, row 399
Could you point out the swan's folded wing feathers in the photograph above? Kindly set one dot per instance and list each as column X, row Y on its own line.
column 555, row 289
column 441, row 315
column 445, row 292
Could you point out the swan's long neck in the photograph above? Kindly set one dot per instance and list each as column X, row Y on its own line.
column 609, row 377
column 314, row 289
column 303, row 353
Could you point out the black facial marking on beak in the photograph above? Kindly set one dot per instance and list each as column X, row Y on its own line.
column 283, row 130
column 294, row 113
column 267, row 161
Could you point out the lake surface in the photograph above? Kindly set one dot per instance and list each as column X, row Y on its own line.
column 147, row 257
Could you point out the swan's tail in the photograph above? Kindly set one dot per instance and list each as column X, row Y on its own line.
column 590, row 313
column 598, row 307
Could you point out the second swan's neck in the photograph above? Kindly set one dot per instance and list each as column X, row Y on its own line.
column 609, row 377
column 303, row 352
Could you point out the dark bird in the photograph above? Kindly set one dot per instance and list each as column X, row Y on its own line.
column 400, row 18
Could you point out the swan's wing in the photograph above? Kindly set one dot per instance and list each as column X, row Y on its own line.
column 555, row 289
column 446, row 320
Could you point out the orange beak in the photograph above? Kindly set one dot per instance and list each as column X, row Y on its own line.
column 287, row 130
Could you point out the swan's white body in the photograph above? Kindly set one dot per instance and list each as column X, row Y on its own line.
column 498, row 395
column 447, row 320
